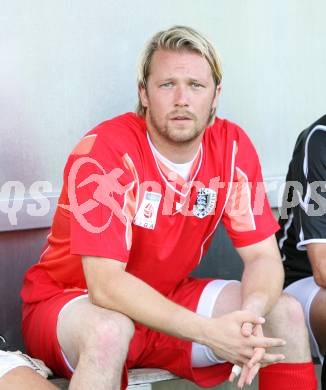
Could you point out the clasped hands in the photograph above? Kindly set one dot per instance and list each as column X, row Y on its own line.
column 260, row 358
column 238, row 338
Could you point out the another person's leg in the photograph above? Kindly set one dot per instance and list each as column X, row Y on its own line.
column 313, row 301
column 323, row 375
column 24, row 378
column 318, row 319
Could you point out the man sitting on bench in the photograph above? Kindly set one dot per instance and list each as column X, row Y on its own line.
column 302, row 239
column 142, row 197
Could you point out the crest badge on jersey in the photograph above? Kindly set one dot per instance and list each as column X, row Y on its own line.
column 205, row 202
column 147, row 213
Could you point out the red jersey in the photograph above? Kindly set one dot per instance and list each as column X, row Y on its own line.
column 120, row 202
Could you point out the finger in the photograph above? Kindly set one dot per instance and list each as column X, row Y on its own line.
column 258, row 331
column 243, row 376
column 247, row 329
column 252, row 373
column 246, row 316
column 266, row 342
column 257, row 357
column 231, row 377
column 236, row 370
column 270, row 358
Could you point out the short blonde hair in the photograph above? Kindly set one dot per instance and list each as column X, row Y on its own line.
column 177, row 38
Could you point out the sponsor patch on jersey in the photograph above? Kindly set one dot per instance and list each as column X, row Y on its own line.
column 205, row 202
column 147, row 213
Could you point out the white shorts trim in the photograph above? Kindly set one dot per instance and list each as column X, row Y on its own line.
column 305, row 290
column 201, row 355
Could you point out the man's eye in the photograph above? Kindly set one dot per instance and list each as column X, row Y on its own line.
column 196, row 85
column 167, row 85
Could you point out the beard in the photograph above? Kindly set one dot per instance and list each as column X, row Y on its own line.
column 179, row 132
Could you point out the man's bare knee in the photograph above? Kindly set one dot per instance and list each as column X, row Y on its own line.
column 111, row 333
column 85, row 327
column 286, row 320
column 287, row 314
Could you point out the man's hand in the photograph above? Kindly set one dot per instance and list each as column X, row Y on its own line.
column 259, row 359
column 221, row 334
column 228, row 341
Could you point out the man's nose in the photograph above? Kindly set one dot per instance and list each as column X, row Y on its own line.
column 181, row 98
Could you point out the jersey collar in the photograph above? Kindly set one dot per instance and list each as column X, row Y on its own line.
column 172, row 179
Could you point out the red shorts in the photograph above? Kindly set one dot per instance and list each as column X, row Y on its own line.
column 148, row 348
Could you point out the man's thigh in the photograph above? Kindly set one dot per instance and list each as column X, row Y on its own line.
column 306, row 291
column 40, row 331
column 78, row 319
column 208, row 298
column 218, row 297
column 228, row 299
column 184, row 358
column 318, row 319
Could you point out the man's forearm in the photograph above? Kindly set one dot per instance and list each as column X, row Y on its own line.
column 145, row 305
column 111, row 287
column 131, row 296
column 262, row 283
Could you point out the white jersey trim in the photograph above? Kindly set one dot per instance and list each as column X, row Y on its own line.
column 128, row 229
column 182, row 169
column 305, row 160
column 47, row 247
column 286, row 228
column 301, row 244
column 200, row 150
column 249, row 197
column 89, row 136
column 304, row 202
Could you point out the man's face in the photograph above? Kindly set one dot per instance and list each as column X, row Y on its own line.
column 180, row 95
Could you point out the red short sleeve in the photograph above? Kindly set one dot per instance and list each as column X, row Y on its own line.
column 101, row 190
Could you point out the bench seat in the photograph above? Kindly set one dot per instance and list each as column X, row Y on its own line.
column 139, row 378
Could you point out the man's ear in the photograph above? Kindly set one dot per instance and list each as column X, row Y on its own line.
column 217, row 95
column 143, row 96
